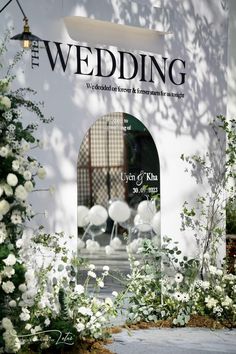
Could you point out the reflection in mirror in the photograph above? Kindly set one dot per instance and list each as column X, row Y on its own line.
column 118, row 190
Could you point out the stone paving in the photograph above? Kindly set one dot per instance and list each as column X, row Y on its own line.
column 174, row 341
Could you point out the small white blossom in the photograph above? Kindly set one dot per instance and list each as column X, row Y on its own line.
column 41, row 173
column 25, row 314
column 108, row 301
column 79, row 326
column 179, row 278
column 227, row 301
column 210, row 302
column 16, row 217
column 219, row 272
column 92, row 274
column 4, row 151
column 25, row 146
column 91, row 267
column 79, row 289
column 27, row 175
column 85, row 311
column 15, row 165
column 101, row 284
column 114, row 293
column 106, row 268
column 212, row 270
column 185, row 297
column 47, row 322
column 28, row 326
column 178, row 296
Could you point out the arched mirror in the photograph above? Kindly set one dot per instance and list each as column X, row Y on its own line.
column 118, row 190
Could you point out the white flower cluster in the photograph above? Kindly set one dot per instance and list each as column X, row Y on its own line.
column 12, row 342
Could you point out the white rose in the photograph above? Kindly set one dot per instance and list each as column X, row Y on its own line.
column 6, row 323
column 79, row 326
column 21, row 193
column 1, row 191
column 8, row 271
column 8, row 190
column 27, row 175
column 10, row 260
column 12, row 179
column 28, row 326
column 28, row 186
column 12, row 303
column 4, row 207
column 8, row 287
column 22, row 288
column 41, row 173
column 114, row 293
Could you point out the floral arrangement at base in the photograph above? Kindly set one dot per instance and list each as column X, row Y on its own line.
column 43, row 305
column 164, row 287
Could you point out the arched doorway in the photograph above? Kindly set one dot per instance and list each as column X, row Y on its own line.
column 119, row 179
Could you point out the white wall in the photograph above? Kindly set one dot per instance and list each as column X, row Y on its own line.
column 232, row 61
column 177, row 125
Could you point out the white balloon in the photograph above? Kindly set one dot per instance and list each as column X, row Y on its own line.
column 109, row 250
column 141, row 225
column 146, row 209
column 82, row 216
column 97, row 215
column 119, row 211
column 116, row 243
column 156, row 223
column 80, row 244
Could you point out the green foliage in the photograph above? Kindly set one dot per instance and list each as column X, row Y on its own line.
column 206, row 219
